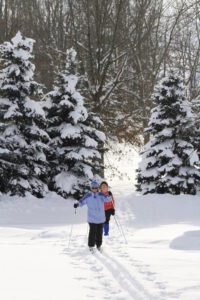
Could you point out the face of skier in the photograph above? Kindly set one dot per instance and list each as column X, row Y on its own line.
column 104, row 188
column 94, row 189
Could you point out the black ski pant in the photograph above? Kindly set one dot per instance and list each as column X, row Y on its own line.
column 108, row 213
column 95, row 235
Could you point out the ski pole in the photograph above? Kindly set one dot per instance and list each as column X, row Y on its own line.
column 70, row 235
column 117, row 222
column 120, row 229
column 87, row 230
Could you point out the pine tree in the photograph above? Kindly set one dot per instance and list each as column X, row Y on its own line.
column 196, row 133
column 23, row 165
column 75, row 156
column 168, row 159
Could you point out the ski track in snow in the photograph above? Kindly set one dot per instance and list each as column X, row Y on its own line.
column 113, row 274
column 156, row 264
column 130, row 266
column 115, row 269
column 123, row 277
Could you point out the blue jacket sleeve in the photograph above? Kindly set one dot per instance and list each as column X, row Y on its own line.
column 106, row 198
column 83, row 201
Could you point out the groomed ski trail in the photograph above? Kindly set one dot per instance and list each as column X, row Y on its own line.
column 123, row 277
column 119, row 280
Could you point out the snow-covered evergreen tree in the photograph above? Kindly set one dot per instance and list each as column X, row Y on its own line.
column 196, row 133
column 75, row 156
column 168, row 159
column 23, row 165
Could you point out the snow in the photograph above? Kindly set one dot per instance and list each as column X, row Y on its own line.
column 44, row 251
column 89, row 142
column 34, row 107
column 78, row 115
column 18, row 40
column 189, row 240
column 12, row 111
column 69, row 130
column 100, row 135
column 65, row 102
column 193, row 157
column 2, row 150
column 89, row 153
column 160, row 261
column 88, row 171
column 166, row 132
column 72, row 80
column 65, row 181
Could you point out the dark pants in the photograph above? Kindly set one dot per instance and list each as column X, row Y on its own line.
column 108, row 213
column 95, row 235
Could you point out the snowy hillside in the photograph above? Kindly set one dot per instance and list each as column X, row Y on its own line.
column 160, row 261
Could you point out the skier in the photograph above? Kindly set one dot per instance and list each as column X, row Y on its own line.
column 96, row 215
column 109, row 207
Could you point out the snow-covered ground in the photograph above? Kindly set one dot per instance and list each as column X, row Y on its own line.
column 39, row 260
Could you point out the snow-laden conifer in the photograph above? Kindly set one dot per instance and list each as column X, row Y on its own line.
column 75, row 155
column 23, row 165
column 168, row 159
column 196, row 133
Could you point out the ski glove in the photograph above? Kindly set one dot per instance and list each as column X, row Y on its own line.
column 75, row 205
column 113, row 212
column 109, row 193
